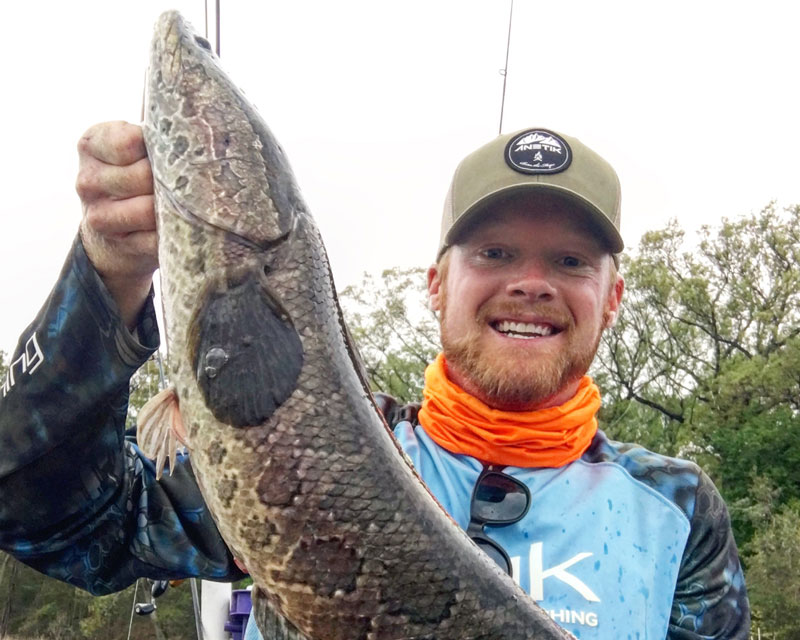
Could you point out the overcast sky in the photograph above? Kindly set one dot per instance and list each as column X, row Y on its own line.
column 695, row 104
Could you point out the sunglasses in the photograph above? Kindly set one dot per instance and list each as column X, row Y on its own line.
column 497, row 500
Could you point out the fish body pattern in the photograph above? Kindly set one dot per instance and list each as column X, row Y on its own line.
column 303, row 477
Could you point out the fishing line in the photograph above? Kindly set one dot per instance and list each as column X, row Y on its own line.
column 504, row 70
column 162, row 383
column 133, row 608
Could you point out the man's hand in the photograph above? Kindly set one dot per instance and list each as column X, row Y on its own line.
column 115, row 185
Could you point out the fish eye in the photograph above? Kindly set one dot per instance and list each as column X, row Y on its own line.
column 203, row 42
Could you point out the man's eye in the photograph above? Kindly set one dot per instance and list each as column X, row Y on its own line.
column 571, row 261
column 494, row 253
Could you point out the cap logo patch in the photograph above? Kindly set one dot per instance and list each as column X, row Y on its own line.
column 538, row 151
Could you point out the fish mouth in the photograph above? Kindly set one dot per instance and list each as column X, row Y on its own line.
column 206, row 140
column 525, row 330
column 168, row 49
column 177, row 37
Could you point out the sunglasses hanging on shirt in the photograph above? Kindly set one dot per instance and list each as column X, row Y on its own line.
column 498, row 500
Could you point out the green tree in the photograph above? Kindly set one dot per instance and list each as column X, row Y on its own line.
column 148, row 380
column 33, row 605
column 110, row 616
column 773, row 560
column 396, row 333
column 705, row 359
column 773, row 574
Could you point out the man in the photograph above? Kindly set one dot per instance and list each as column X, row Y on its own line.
column 613, row 541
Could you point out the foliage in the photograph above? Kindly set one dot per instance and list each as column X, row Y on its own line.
column 708, row 346
column 688, row 313
column 44, row 608
column 101, row 615
column 148, row 380
column 773, row 573
column 397, row 335
column 34, row 605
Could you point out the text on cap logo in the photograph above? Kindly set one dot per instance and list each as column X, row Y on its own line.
column 538, row 151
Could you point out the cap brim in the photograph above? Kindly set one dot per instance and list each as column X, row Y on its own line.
column 471, row 215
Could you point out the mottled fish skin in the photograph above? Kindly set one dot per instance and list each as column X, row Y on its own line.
column 302, row 475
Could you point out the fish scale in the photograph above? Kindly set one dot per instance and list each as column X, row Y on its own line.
column 303, row 477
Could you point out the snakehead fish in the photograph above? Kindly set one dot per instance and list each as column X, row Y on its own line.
column 303, row 477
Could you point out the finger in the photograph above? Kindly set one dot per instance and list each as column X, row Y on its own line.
column 118, row 143
column 119, row 217
column 128, row 256
column 97, row 180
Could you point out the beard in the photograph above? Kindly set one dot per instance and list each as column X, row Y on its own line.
column 502, row 378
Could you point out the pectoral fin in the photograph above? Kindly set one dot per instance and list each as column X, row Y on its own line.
column 159, row 428
column 247, row 355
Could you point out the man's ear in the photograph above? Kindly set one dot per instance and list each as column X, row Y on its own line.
column 612, row 303
column 434, row 285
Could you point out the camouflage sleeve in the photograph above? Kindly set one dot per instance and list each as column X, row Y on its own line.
column 77, row 500
column 710, row 596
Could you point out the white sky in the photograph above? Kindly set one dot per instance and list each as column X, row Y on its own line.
column 695, row 104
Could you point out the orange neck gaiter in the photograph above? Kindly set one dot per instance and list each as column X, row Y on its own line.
column 549, row 437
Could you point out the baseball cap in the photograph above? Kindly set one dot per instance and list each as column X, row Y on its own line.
column 527, row 161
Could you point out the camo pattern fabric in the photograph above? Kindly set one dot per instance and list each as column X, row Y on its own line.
column 78, row 500
column 710, row 595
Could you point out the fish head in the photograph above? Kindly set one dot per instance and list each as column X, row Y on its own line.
column 213, row 158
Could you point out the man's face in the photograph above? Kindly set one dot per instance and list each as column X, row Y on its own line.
column 523, row 299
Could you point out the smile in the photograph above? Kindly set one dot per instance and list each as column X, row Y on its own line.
column 523, row 330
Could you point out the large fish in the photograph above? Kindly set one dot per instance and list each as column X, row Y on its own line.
column 304, row 479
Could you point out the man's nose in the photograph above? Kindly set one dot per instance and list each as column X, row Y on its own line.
column 532, row 280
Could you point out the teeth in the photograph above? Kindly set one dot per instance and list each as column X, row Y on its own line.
column 524, row 329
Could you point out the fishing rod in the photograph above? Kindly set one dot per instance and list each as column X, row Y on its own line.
column 218, row 1
column 216, row 48
column 504, row 70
